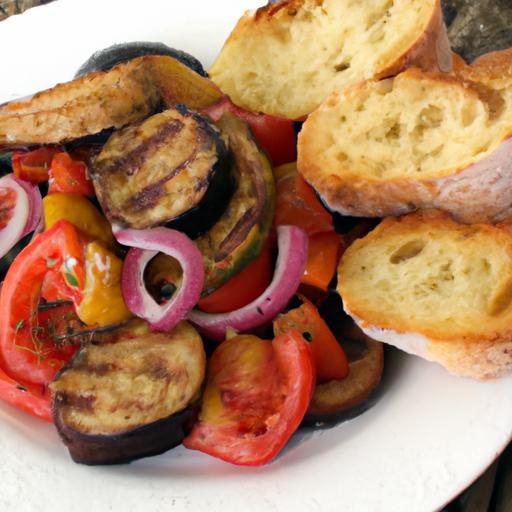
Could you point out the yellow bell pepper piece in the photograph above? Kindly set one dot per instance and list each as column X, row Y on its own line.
column 79, row 211
column 102, row 302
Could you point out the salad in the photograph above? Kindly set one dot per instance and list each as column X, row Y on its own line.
column 167, row 275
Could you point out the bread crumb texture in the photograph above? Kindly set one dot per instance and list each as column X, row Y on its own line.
column 429, row 275
column 285, row 59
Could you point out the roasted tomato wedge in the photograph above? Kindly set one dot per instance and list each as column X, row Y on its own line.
column 55, row 322
column 34, row 165
column 275, row 135
column 69, row 176
column 330, row 359
column 24, row 354
column 256, row 395
column 244, row 287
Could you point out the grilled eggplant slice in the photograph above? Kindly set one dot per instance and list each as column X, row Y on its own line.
column 165, row 170
column 340, row 400
column 107, row 58
column 129, row 393
column 125, row 94
column 238, row 236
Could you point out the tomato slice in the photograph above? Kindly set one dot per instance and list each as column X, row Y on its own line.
column 256, row 395
column 244, row 287
column 31, row 399
column 23, row 354
column 330, row 360
column 33, row 166
column 275, row 135
column 69, row 176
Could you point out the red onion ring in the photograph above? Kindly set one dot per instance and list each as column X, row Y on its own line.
column 35, row 201
column 291, row 261
column 15, row 227
column 145, row 245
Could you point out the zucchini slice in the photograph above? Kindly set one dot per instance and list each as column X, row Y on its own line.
column 129, row 393
column 165, row 170
column 238, row 236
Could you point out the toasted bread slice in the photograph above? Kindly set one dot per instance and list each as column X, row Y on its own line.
column 419, row 140
column 435, row 288
column 285, row 58
column 125, row 94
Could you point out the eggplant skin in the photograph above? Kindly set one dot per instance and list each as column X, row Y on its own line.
column 129, row 393
column 107, row 58
column 145, row 441
column 160, row 170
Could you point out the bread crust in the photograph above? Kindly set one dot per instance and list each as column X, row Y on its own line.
column 483, row 355
column 483, row 361
column 477, row 191
column 430, row 51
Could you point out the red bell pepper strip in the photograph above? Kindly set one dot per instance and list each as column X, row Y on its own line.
column 330, row 360
column 34, row 165
column 324, row 253
column 244, row 287
column 69, row 176
column 298, row 205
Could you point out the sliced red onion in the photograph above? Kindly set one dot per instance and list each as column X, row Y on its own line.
column 146, row 244
column 35, row 201
column 15, row 227
column 293, row 251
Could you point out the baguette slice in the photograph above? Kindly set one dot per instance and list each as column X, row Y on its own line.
column 285, row 58
column 435, row 288
column 420, row 140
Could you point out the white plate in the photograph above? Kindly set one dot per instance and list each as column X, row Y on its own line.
column 428, row 437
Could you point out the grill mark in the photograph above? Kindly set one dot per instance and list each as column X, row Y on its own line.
column 150, row 195
column 101, row 369
column 82, row 403
column 237, row 234
column 240, row 230
column 160, row 372
column 131, row 162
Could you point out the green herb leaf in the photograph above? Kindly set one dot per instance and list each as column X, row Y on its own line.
column 55, row 304
column 307, row 336
column 72, row 280
column 19, row 325
column 51, row 262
